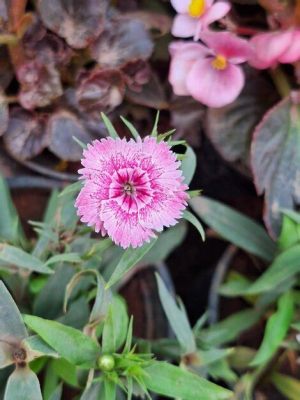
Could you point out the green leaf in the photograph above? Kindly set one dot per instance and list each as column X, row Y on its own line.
column 230, row 328
column 17, row 257
column 103, row 296
column 194, row 221
column 66, row 371
column 286, row 385
column 115, row 327
column 166, row 243
column 71, row 189
column 36, row 347
column 10, row 226
column 188, row 165
column 109, row 126
column 128, row 260
column 110, row 390
column 235, row 227
column 93, row 392
column 79, row 142
column 154, row 131
column 168, row 380
column 177, row 318
column 131, row 128
column 57, row 394
column 70, row 343
column 11, row 323
column 23, row 384
column 290, row 233
column 276, row 329
column 286, row 265
column 72, row 258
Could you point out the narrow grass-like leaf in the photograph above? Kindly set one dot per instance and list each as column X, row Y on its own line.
column 194, row 221
column 72, row 258
column 177, row 319
column 154, row 131
column 109, row 126
column 131, row 128
column 129, row 259
column 17, row 257
column 277, row 327
column 235, row 227
column 70, row 343
column 79, row 142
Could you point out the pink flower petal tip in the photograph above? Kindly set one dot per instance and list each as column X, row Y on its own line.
column 131, row 189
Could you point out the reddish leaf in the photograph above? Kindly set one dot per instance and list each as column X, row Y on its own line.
column 137, row 73
column 25, row 136
column 100, row 90
column 80, row 22
column 230, row 128
column 40, row 84
column 123, row 40
column 3, row 114
column 152, row 94
column 275, row 158
column 62, row 127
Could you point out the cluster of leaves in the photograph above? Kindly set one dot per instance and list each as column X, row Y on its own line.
column 61, row 65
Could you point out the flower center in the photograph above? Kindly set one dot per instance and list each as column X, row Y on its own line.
column 128, row 188
column 196, row 8
column 219, row 62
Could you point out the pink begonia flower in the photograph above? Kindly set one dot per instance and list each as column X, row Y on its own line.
column 196, row 15
column 209, row 74
column 131, row 189
column 271, row 48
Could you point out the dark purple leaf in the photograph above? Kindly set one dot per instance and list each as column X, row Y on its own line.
column 25, row 136
column 80, row 22
column 100, row 90
column 230, row 128
column 137, row 73
column 62, row 127
column 152, row 94
column 123, row 40
column 275, row 159
column 3, row 113
column 40, row 84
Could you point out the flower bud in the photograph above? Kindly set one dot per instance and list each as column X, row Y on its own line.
column 106, row 363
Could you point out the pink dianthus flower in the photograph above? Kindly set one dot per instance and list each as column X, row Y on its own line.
column 209, row 74
column 131, row 189
column 195, row 16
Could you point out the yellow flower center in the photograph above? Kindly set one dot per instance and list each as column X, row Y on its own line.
column 196, row 8
column 219, row 62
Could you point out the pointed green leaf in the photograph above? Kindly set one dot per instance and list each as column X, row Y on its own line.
column 129, row 260
column 109, row 126
column 277, row 327
column 57, row 394
column 72, row 258
column 154, row 131
column 177, row 319
column 71, row 189
column 168, row 380
column 286, row 385
column 188, row 165
column 194, row 221
column 131, row 128
column 36, row 347
column 17, row 257
column 70, row 343
column 235, row 227
column 23, row 384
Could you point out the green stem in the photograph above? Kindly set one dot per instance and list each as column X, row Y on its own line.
column 281, row 82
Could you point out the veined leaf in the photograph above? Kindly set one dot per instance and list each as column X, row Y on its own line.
column 70, row 343
column 168, row 380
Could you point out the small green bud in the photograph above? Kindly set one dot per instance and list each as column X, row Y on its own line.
column 106, row 363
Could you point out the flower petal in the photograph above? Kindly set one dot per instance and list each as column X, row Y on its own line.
column 215, row 12
column 215, row 88
column 235, row 49
column 269, row 47
column 293, row 52
column 181, row 6
column 184, row 26
column 183, row 56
